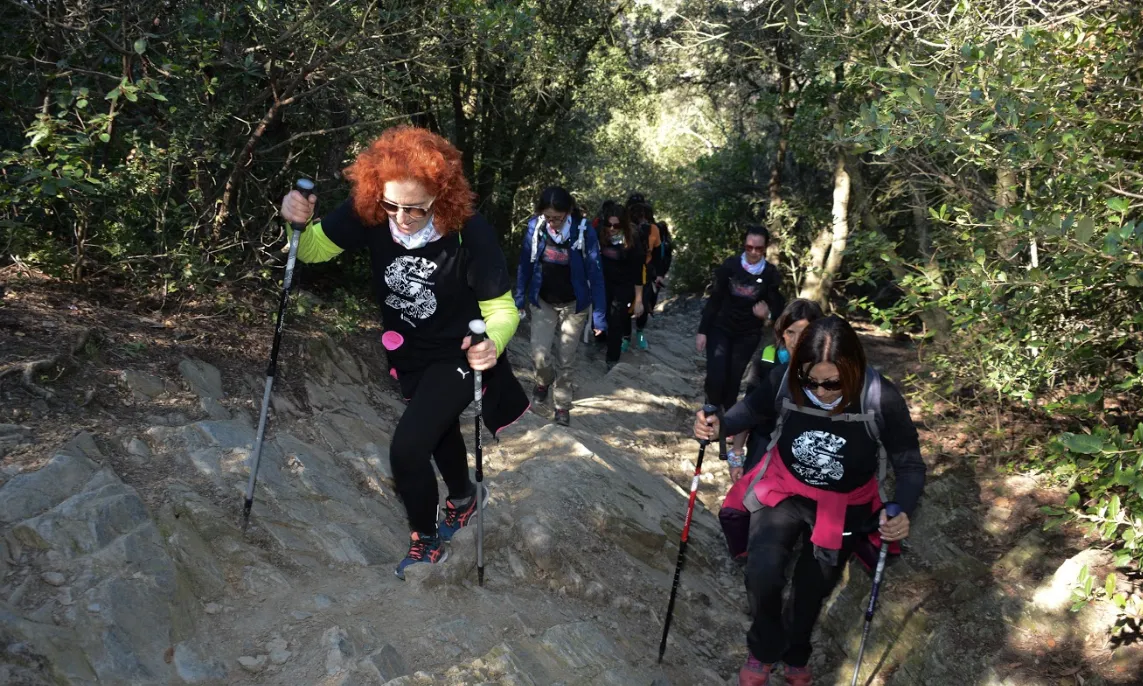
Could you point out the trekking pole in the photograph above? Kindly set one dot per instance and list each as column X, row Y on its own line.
column 707, row 410
column 305, row 186
column 478, row 329
column 891, row 511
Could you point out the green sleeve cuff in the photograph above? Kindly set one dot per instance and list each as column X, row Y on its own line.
column 501, row 317
column 315, row 246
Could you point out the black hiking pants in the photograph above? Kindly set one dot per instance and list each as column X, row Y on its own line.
column 650, row 298
column 429, row 431
column 774, row 533
column 726, row 359
column 618, row 319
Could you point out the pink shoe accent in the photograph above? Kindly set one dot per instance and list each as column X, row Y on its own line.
column 754, row 673
column 392, row 340
column 393, row 373
column 799, row 676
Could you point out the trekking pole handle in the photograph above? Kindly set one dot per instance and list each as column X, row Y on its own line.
column 892, row 510
column 708, row 410
column 306, row 187
column 478, row 329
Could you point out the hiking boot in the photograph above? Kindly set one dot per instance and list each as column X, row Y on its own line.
column 563, row 417
column 540, row 394
column 422, row 548
column 799, row 676
column 459, row 514
column 626, row 344
column 641, row 340
column 754, row 673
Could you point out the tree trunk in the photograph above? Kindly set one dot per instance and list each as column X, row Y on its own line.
column 828, row 248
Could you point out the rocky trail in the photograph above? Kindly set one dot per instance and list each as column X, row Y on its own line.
column 122, row 561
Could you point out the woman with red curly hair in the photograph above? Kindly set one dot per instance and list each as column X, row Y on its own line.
column 436, row 266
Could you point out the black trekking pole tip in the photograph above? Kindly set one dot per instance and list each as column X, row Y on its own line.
column 247, row 506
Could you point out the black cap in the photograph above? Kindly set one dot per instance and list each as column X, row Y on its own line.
column 636, row 199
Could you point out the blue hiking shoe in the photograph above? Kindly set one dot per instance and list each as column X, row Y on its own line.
column 422, row 548
column 459, row 515
column 626, row 345
column 641, row 340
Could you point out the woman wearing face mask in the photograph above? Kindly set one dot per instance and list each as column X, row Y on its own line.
column 624, row 273
column 787, row 329
column 436, row 266
column 744, row 299
column 560, row 275
column 818, row 481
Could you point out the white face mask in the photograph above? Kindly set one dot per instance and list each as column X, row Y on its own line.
column 412, row 241
column 825, row 406
column 754, row 269
column 563, row 234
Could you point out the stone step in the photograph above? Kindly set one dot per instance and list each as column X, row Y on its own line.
column 577, row 654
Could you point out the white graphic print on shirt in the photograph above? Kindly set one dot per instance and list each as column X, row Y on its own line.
column 815, row 455
column 408, row 279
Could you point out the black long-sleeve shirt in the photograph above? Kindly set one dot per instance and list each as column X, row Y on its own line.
column 759, row 410
column 734, row 295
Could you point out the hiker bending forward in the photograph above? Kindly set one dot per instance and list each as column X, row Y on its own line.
column 436, row 266
column 837, row 422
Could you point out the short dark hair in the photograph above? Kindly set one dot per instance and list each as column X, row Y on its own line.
column 756, row 230
column 555, row 198
column 796, row 311
column 829, row 339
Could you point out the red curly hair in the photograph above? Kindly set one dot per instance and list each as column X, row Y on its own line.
column 408, row 152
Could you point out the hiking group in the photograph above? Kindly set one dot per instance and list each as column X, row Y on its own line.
column 811, row 440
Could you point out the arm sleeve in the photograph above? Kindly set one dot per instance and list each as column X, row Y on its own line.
column 595, row 279
column 524, row 268
column 315, row 246
column 774, row 296
column 659, row 257
column 502, row 317
column 756, row 411
column 899, row 436
column 344, row 228
column 487, row 269
column 635, row 264
column 717, row 295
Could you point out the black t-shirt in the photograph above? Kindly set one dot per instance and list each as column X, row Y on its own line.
column 827, row 454
column 428, row 295
column 735, row 293
column 555, row 277
column 622, row 266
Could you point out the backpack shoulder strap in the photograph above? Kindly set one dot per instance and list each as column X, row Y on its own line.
column 871, row 408
column 534, row 227
column 783, row 404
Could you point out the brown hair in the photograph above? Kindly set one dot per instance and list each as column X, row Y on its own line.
column 625, row 226
column 407, row 152
column 796, row 311
column 830, row 339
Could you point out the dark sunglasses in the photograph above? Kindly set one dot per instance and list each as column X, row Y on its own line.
column 831, row 385
column 615, row 224
column 411, row 210
column 755, row 248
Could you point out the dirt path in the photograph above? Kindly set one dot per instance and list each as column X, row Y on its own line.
column 582, row 534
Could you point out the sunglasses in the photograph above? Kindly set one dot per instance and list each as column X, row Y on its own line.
column 615, row 224
column 755, row 248
column 411, row 210
column 830, row 385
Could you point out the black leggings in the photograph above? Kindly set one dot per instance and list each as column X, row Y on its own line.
column 618, row 320
column 430, row 429
column 726, row 360
column 774, row 532
column 650, row 298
